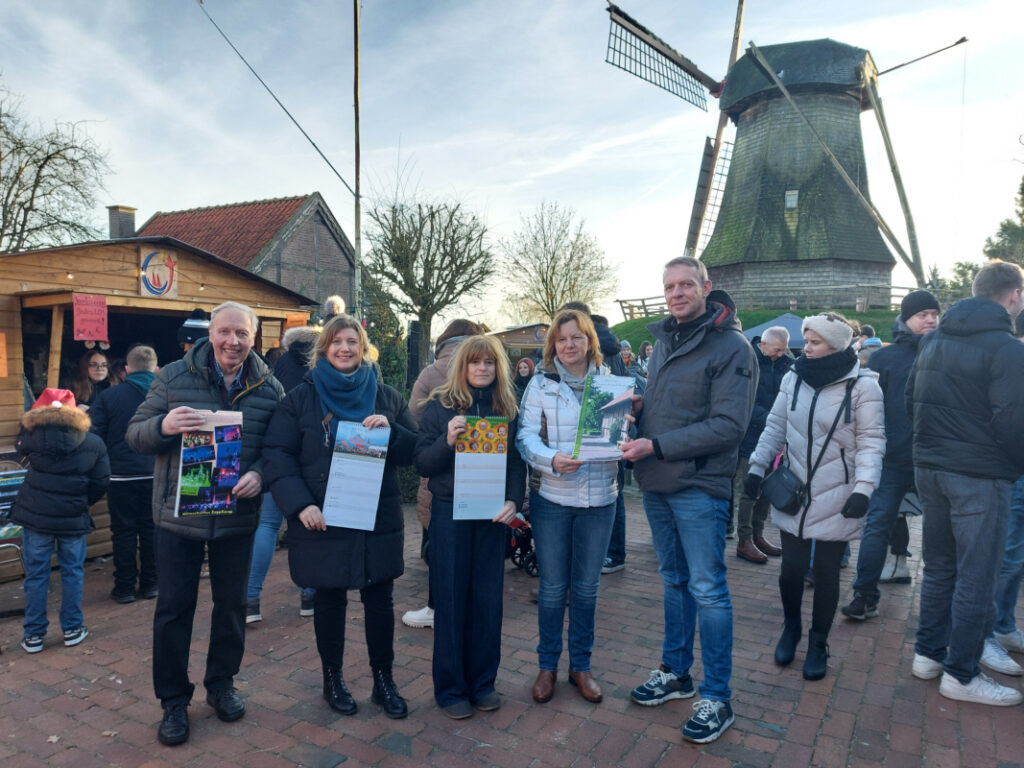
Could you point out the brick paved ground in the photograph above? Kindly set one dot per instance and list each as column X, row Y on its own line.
column 93, row 705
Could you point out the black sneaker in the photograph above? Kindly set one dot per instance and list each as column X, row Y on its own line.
column 75, row 636
column 252, row 612
column 709, row 721
column 32, row 643
column 119, row 596
column 174, row 727
column 149, row 592
column 662, row 686
column 860, row 609
column 306, row 606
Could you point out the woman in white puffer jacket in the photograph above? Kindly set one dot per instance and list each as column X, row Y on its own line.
column 825, row 387
column 572, row 512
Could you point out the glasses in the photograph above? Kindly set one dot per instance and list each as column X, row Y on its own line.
column 98, row 366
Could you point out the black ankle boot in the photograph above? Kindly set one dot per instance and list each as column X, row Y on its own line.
column 816, row 663
column 335, row 692
column 786, row 648
column 385, row 694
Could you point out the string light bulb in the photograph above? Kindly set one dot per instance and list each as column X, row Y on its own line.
column 71, row 276
column 202, row 286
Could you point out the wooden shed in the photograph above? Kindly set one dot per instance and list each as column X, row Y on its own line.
column 148, row 285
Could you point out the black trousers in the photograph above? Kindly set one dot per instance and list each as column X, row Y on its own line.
column 131, row 531
column 467, row 574
column 796, row 558
column 178, row 564
column 329, row 623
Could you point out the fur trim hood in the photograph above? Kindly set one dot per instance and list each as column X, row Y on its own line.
column 300, row 335
column 70, row 418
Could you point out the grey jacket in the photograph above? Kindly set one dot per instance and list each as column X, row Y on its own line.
column 697, row 405
column 192, row 381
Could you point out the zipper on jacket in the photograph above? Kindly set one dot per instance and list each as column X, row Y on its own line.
column 846, row 470
column 810, row 459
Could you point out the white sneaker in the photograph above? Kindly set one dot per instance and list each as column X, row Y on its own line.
column 422, row 618
column 925, row 668
column 995, row 657
column 980, row 690
column 1011, row 641
column 895, row 570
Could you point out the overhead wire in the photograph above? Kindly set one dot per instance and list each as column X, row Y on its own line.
column 312, row 143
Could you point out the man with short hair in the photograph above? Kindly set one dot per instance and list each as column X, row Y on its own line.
column 919, row 315
column 221, row 372
column 130, row 494
column 773, row 362
column 968, row 415
column 700, row 393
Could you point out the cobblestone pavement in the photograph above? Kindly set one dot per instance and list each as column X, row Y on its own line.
column 92, row 705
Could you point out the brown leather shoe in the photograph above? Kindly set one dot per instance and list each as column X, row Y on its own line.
column 745, row 550
column 586, row 685
column 766, row 546
column 544, row 686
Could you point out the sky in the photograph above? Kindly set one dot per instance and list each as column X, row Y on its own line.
column 501, row 106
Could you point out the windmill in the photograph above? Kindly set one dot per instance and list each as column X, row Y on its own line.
column 788, row 200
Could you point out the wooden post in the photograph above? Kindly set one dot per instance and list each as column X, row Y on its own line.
column 56, row 338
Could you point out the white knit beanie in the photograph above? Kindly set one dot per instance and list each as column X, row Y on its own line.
column 834, row 331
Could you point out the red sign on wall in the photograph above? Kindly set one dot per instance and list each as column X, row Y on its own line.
column 90, row 317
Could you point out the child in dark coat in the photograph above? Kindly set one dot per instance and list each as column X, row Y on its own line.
column 68, row 471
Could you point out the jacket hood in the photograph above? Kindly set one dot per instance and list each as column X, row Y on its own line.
column 606, row 340
column 68, row 418
column 302, row 335
column 970, row 316
column 722, row 318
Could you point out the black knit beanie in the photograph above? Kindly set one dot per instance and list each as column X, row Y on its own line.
column 917, row 301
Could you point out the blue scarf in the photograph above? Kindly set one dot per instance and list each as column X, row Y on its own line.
column 347, row 397
column 141, row 380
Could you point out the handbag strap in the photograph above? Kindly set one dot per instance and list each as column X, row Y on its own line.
column 843, row 406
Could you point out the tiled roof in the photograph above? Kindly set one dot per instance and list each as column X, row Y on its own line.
column 236, row 233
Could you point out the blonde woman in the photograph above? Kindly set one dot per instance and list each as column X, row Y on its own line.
column 572, row 512
column 467, row 557
column 297, row 450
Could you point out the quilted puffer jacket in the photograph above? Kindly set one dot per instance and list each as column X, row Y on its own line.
column 852, row 463
column 549, row 401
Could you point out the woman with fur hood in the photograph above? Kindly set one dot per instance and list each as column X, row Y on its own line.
column 829, row 418
column 68, row 471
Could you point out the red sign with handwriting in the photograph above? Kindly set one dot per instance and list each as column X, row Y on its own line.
column 90, row 317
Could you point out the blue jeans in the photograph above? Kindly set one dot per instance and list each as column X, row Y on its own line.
column 964, row 537
column 688, row 528
column 617, row 543
column 571, row 543
column 1012, row 569
column 36, row 550
column 874, row 543
column 263, row 545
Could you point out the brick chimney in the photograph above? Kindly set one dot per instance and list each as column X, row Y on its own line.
column 122, row 221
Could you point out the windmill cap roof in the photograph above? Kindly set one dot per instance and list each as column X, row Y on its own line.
column 810, row 65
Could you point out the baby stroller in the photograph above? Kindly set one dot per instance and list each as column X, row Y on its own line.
column 519, row 547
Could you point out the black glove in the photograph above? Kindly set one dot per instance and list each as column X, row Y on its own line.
column 752, row 485
column 856, row 506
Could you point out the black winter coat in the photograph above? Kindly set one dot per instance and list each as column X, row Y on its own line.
column 435, row 459
column 110, row 414
column 967, row 395
column 893, row 365
column 68, row 471
column 297, row 463
column 769, row 381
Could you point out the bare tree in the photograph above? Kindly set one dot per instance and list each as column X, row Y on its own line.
column 552, row 260
column 431, row 255
column 49, row 180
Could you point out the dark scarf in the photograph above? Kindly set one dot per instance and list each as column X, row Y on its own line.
column 824, row 370
column 347, row 397
column 483, row 400
column 680, row 332
column 141, row 380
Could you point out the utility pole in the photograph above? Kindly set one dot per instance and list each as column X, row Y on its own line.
column 357, row 287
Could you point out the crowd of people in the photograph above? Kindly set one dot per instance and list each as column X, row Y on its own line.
column 827, row 443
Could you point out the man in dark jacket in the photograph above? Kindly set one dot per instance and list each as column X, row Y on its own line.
column 919, row 314
column 968, row 415
column 701, row 382
column 773, row 362
column 130, row 496
column 219, row 373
